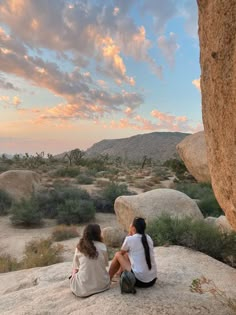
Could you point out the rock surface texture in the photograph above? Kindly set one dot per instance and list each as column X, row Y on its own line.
column 217, row 29
column 192, row 151
column 19, row 183
column 221, row 222
column 113, row 236
column 46, row 290
column 154, row 203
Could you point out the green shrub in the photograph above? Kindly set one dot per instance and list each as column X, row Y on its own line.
column 26, row 213
column 67, row 172
column 83, row 179
column 50, row 201
column 39, row 253
column 197, row 235
column 63, row 232
column 8, row 263
column 209, row 206
column 5, row 202
column 204, row 193
column 104, row 202
column 76, row 211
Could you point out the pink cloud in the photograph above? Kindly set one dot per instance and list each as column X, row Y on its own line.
column 196, row 83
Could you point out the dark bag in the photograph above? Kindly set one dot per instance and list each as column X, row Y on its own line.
column 127, row 282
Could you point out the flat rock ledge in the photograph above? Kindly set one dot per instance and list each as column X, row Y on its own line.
column 46, row 290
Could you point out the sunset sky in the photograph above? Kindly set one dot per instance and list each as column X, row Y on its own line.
column 75, row 72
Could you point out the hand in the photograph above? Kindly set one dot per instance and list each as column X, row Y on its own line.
column 74, row 271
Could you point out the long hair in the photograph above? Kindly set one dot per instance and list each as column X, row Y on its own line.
column 140, row 226
column 92, row 232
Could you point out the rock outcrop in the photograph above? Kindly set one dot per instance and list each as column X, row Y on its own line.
column 217, row 29
column 112, row 236
column 192, row 151
column 46, row 290
column 221, row 222
column 19, row 183
column 154, row 203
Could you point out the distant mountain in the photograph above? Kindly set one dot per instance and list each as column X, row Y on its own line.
column 156, row 145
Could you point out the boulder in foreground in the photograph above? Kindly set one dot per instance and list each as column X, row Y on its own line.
column 46, row 290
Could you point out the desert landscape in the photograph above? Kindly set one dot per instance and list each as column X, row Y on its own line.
column 108, row 116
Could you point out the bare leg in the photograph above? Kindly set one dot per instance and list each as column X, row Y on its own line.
column 119, row 262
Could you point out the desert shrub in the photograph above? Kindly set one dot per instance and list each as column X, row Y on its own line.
column 63, row 232
column 75, row 211
column 67, row 172
column 204, row 194
column 40, row 253
column 195, row 234
column 176, row 166
column 104, row 202
column 3, row 168
column 26, row 213
column 5, row 202
column 49, row 202
column 8, row 263
column 96, row 164
column 209, row 206
column 83, row 179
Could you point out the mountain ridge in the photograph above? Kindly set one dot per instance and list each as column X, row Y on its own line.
column 156, row 145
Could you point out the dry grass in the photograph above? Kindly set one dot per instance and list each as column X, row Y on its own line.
column 64, row 232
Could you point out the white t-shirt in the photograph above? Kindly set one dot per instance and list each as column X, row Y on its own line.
column 134, row 246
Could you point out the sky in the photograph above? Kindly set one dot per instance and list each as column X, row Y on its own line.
column 75, row 72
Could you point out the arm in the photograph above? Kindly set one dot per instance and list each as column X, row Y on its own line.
column 75, row 263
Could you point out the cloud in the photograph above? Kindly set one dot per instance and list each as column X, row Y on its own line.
column 162, row 12
column 168, row 48
column 196, row 83
column 163, row 122
column 81, row 28
column 81, row 93
column 8, row 101
column 5, row 85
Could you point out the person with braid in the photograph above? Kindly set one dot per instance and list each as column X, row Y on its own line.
column 136, row 255
column 89, row 274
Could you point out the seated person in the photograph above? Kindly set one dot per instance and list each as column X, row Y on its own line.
column 136, row 255
column 89, row 274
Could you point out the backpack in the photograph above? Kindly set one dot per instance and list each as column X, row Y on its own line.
column 127, row 282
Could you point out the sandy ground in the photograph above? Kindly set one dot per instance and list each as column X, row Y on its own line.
column 13, row 240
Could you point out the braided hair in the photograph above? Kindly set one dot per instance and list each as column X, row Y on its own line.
column 140, row 226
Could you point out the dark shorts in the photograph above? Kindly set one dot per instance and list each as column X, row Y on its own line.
column 141, row 284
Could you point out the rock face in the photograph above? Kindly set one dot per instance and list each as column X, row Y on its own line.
column 192, row 151
column 217, row 29
column 112, row 236
column 19, row 183
column 152, row 204
column 220, row 222
column 46, row 290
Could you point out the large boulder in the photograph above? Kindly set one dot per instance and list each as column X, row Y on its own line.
column 217, row 29
column 46, row 290
column 221, row 223
column 113, row 237
column 154, row 203
column 19, row 183
column 192, row 151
